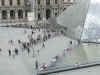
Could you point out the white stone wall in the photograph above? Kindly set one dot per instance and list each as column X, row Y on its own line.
column 14, row 7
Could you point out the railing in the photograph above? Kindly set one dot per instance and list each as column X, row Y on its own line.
column 22, row 24
column 90, row 42
column 68, row 68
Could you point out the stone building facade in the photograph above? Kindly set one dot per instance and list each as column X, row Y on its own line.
column 14, row 12
column 44, row 9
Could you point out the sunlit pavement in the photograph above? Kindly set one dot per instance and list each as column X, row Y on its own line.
column 24, row 64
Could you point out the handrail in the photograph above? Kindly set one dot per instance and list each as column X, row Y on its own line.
column 90, row 42
column 68, row 68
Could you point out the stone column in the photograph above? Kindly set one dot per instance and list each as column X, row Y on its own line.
column 0, row 14
column 23, row 20
column 8, row 14
column 44, row 12
column 8, row 21
column 16, row 15
column 24, row 15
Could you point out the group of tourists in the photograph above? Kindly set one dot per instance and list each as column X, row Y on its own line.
column 17, row 51
column 40, row 38
column 13, row 53
column 27, row 45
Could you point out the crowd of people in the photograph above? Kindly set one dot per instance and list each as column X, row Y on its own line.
column 33, row 40
column 25, row 46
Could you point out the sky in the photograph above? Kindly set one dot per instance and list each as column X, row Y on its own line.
column 95, row 1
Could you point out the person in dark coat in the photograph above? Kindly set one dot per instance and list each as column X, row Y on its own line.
column 0, row 49
column 32, row 32
column 36, row 65
column 28, row 50
column 9, row 51
column 71, row 42
column 16, row 51
column 24, row 45
column 19, row 41
column 49, row 36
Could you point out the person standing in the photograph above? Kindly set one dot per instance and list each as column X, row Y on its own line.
column 49, row 36
column 36, row 65
column 9, row 51
column 70, row 42
column 16, row 51
column 33, row 53
column 28, row 50
column 43, row 45
column 19, row 41
column 0, row 50
column 38, row 51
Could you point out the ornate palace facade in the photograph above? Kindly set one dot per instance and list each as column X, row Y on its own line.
column 14, row 12
column 44, row 9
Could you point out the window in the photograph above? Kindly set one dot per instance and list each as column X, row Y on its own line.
column 20, row 14
column 38, row 2
column 12, row 14
column 48, row 13
column 18, row 2
column 4, row 14
column 10, row 2
column 26, row 14
column 56, row 1
column 47, row 2
column 3, row 2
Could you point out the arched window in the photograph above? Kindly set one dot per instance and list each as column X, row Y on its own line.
column 48, row 13
column 10, row 2
column 18, row 2
column 56, row 1
column 3, row 2
column 47, row 2
column 4, row 14
column 20, row 14
column 12, row 14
